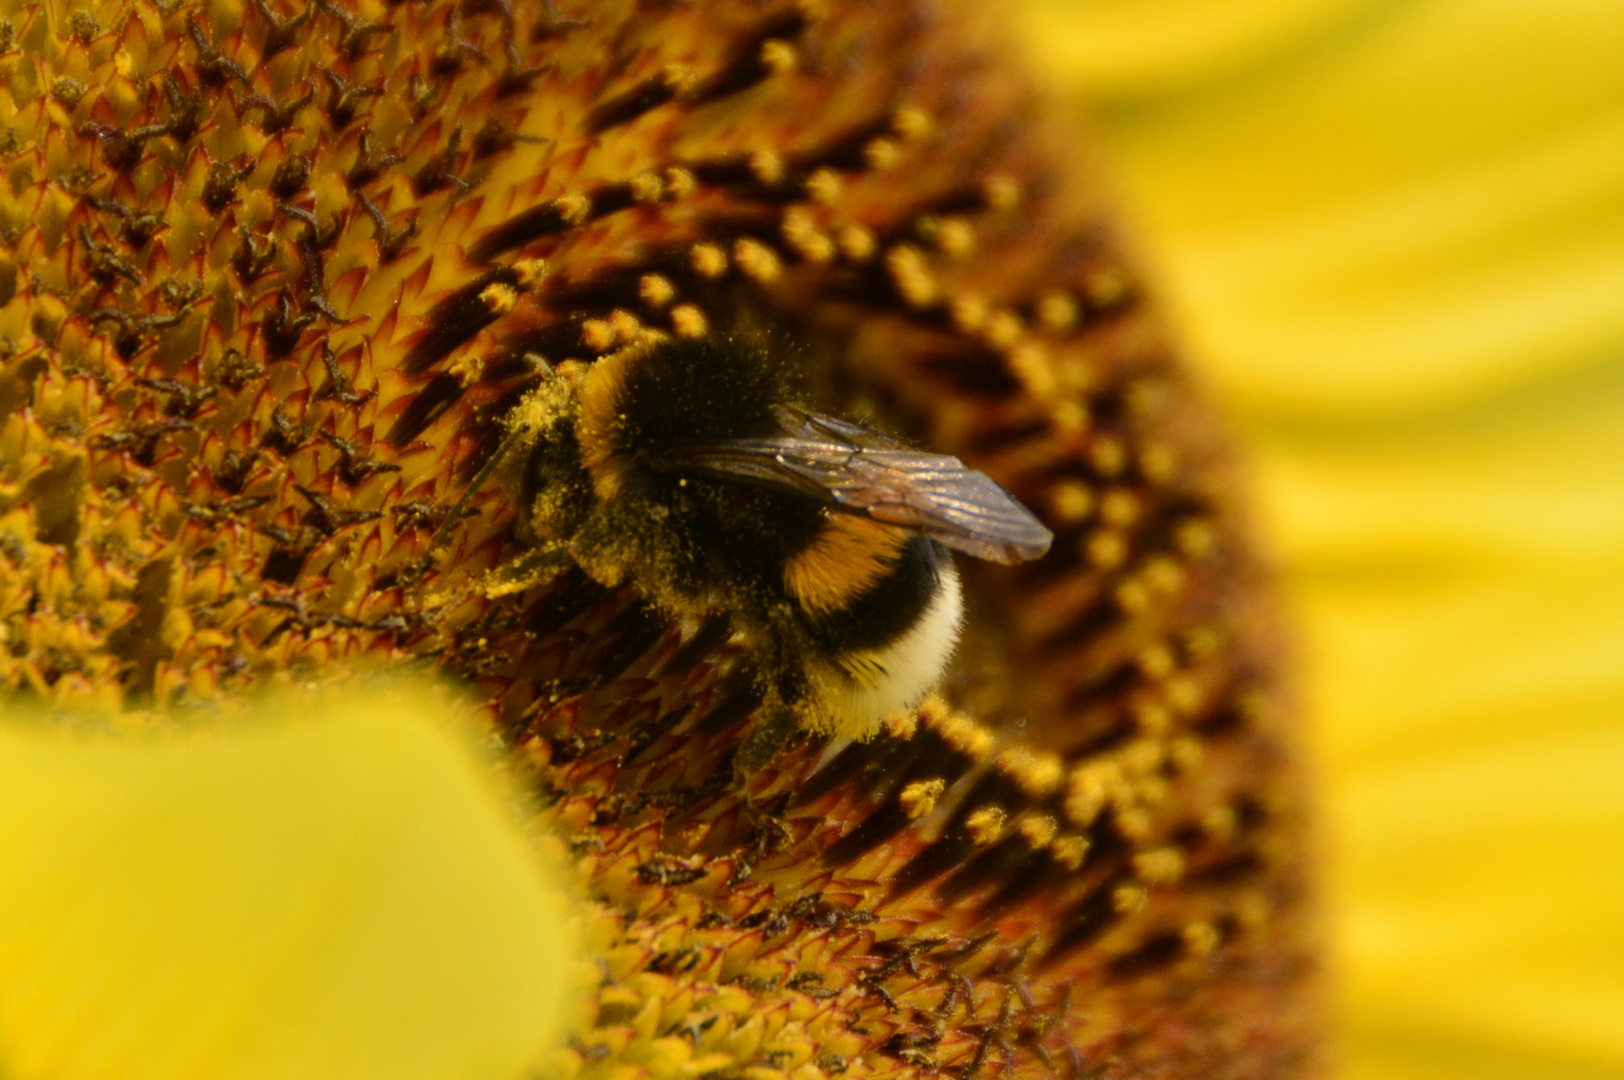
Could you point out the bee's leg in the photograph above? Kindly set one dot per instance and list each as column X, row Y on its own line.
column 772, row 731
column 535, row 567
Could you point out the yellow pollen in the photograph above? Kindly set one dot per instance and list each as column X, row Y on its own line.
column 779, row 56
column 912, row 122
column 647, row 187
column 680, row 183
column 708, row 260
column 655, row 290
column 969, row 313
column 574, row 209
column 882, row 154
column 757, row 260
column 679, row 77
column 1129, row 899
column 911, row 275
column 688, row 321
column 767, row 167
column 1071, row 501
column 1001, row 192
column 499, row 298
column 824, row 187
column 919, row 798
column 1105, row 549
column 856, row 243
column 1038, row 831
column 1161, row 866
column 986, row 824
column 598, row 335
column 1002, row 329
column 1031, row 366
column 1200, row 938
column 1057, row 311
column 902, row 725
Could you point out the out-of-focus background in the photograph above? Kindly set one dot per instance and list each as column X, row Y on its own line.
column 1393, row 234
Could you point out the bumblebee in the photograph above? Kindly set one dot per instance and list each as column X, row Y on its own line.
column 685, row 468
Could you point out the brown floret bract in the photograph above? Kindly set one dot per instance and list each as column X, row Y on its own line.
column 272, row 273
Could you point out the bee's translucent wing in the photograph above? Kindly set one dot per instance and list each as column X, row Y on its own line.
column 865, row 472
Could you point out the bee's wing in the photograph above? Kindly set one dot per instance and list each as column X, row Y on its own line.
column 864, row 472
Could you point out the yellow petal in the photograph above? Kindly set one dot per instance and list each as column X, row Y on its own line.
column 1394, row 234
column 338, row 895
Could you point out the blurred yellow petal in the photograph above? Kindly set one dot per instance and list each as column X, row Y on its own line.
column 1394, row 233
column 338, row 896
column 1430, row 196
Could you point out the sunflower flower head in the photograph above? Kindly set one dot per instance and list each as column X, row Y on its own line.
column 275, row 278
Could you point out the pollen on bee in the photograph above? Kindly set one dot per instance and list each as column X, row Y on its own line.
column 919, row 798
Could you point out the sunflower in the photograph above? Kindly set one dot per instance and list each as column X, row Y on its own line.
column 277, row 276
column 1393, row 234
